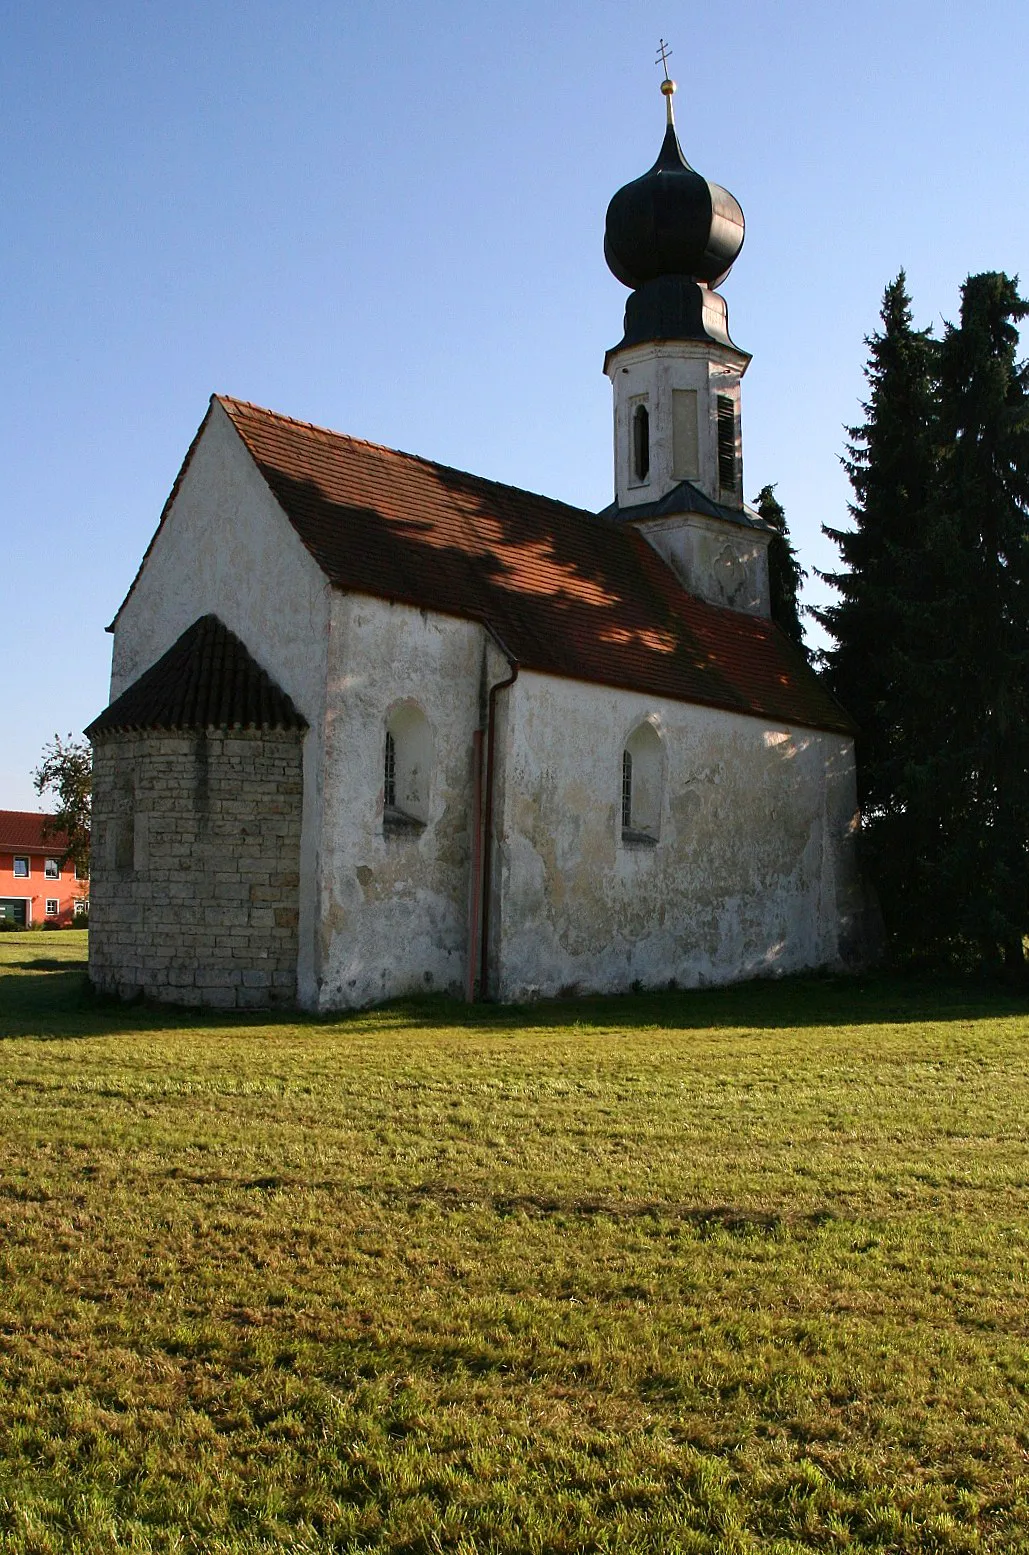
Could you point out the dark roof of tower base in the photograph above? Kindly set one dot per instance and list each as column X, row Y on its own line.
column 208, row 679
column 687, row 498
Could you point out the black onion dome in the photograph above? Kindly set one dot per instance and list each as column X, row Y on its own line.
column 672, row 221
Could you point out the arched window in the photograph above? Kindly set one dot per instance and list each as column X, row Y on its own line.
column 389, row 780
column 406, row 769
column 641, row 443
column 626, row 790
column 642, row 781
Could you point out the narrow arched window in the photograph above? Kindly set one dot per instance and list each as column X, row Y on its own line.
column 389, row 781
column 406, row 769
column 626, row 790
column 642, row 786
column 641, row 442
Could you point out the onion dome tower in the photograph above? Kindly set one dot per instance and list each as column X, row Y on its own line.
column 673, row 236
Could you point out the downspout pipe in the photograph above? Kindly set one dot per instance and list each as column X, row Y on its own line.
column 487, row 823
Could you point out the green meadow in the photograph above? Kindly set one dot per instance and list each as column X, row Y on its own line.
column 729, row 1271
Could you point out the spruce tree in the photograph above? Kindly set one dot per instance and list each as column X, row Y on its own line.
column 972, row 677
column 785, row 574
column 891, row 461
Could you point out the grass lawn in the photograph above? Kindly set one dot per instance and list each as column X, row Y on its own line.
column 742, row 1270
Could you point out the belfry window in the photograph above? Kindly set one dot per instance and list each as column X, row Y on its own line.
column 640, row 443
column 726, row 443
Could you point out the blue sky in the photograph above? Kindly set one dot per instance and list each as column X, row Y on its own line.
column 388, row 219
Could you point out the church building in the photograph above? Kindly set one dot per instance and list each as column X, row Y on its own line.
column 379, row 727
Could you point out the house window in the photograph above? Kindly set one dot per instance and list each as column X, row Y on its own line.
column 52, row 869
column 407, row 767
column 52, row 907
column 726, row 443
column 21, row 868
column 642, row 782
column 640, row 443
column 82, row 907
column 81, row 871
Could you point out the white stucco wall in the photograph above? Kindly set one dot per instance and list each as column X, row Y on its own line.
column 227, row 548
column 753, row 873
column 726, row 564
column 394, row 906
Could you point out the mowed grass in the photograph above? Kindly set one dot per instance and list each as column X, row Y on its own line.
column 743, row 1270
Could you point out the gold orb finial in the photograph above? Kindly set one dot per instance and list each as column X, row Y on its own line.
column 667, row 85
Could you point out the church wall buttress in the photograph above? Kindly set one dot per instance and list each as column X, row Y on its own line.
column 394, row 897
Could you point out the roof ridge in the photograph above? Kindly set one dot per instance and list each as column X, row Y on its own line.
column 32, row 815
column 402, row 453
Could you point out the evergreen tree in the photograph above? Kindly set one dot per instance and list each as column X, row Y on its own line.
column 931, row 631
column 891, row 462
column 785, row 574
column 971, row 679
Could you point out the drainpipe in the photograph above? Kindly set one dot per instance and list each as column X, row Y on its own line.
column 481, row 905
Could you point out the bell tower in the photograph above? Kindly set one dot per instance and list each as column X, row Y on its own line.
column 672, row 236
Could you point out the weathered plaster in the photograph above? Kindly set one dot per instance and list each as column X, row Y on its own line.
column 227, row 548
column 393, row 906
column 724, row 563
column 753, row 872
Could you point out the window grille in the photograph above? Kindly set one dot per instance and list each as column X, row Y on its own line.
column 389, row 782
column 641, row 442
column 726, row 443
column 626, row 790
column 52, row 907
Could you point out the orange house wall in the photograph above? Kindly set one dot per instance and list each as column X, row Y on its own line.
column 36, row 889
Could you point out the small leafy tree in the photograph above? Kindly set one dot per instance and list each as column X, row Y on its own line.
column 66, row 773
column 785, row 574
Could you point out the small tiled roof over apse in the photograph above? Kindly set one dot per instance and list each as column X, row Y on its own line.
column 208, row 679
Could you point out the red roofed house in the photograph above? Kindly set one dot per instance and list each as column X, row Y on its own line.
column 378, row 726
column 36, row 884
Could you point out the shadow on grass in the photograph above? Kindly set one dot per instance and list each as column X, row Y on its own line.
column 51, row 1000
column 49, row 964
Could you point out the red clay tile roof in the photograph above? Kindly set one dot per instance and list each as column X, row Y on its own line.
column 206, row 680
column 22, row 831
column 569, row 593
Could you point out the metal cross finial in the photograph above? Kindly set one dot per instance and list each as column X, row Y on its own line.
column 667, row 85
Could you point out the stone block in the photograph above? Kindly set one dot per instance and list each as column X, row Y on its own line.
column 220, row 998
column 217, row 977
column 252, row 998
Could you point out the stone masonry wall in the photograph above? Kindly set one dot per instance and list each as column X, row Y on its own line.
column 195, row 866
